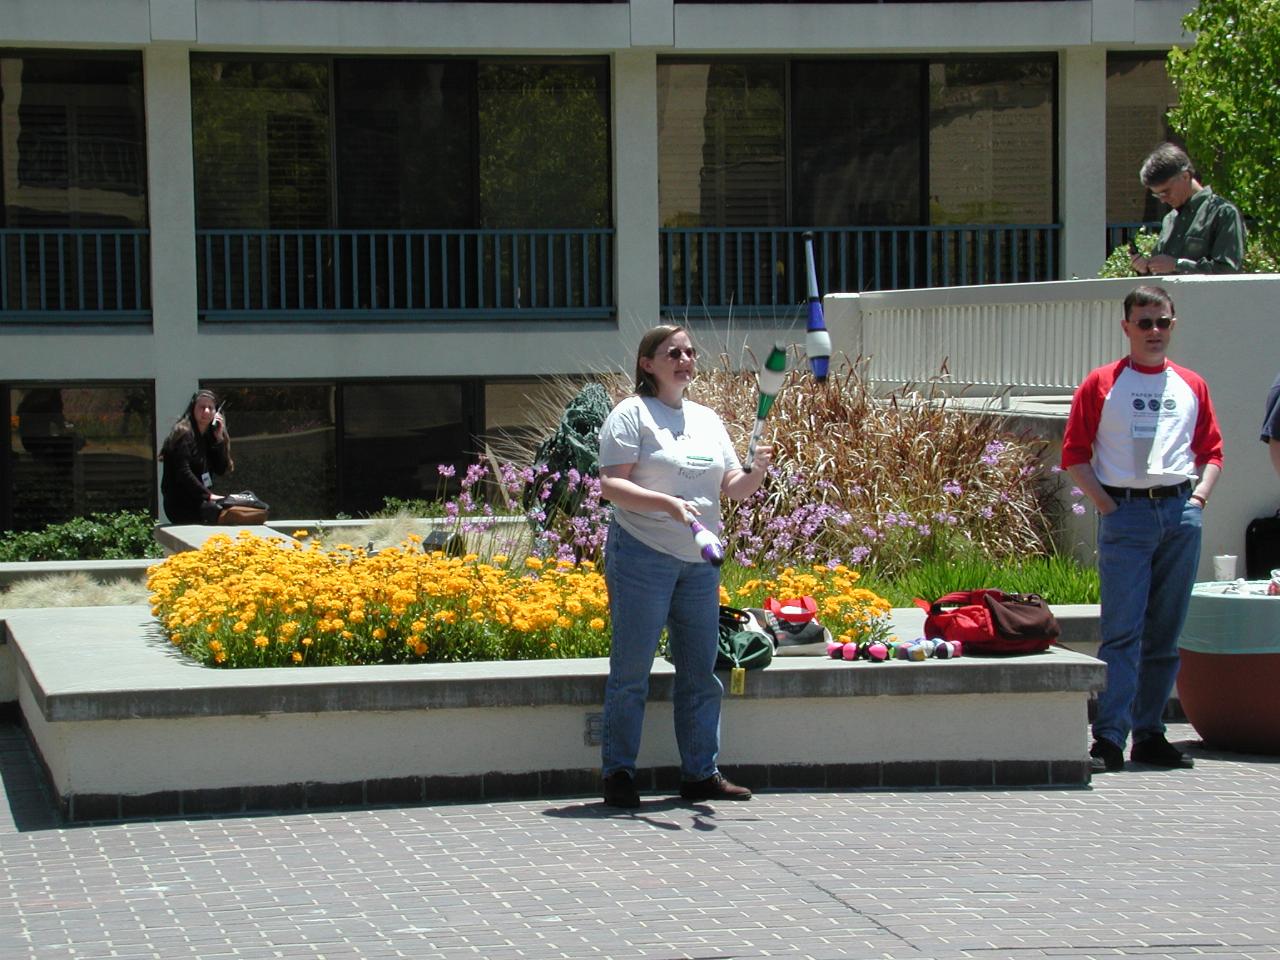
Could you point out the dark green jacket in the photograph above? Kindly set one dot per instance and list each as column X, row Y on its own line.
column 1206, row 235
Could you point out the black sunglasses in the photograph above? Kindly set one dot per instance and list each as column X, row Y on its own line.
column 1146, row 323
column 675, row 353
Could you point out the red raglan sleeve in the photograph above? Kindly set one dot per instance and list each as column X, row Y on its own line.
column 1206, row 439
column 1082, row 421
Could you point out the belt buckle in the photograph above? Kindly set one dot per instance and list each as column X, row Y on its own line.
column 1151, row 493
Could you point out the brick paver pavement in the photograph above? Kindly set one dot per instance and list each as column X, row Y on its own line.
column 1145, row 863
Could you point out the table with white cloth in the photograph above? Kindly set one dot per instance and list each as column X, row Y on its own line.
column 1230, row 674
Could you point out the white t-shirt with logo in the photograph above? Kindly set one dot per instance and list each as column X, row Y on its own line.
column 684, row 451
column 1142, row 426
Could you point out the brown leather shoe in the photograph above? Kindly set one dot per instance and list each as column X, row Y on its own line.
column 715, row 787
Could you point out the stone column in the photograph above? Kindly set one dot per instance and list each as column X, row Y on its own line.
column 171, row 198
column 1082, row 188
column 635, row 200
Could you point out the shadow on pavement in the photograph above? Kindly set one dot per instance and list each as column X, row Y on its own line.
column 30, row 806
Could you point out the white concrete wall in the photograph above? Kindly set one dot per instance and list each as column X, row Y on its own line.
column 135, row 757
column 569, row 27
column 1226, row 328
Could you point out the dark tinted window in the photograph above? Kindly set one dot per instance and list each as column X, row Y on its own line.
column 282, row 442
column 72, row 142
column 722, row 144
column 75, row 450
column 394, row 437
column 261, row 140
column 857, row 142
column 1139, row 96
column 405, row 143
column 991, row 153
column 544, row 144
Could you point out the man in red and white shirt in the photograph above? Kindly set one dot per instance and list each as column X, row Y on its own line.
column 1143, row 444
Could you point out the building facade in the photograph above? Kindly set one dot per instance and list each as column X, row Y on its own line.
column 375, row 226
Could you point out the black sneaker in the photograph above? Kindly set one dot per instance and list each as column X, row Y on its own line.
column 1105, row 756
column 620, row 790
column 715, row 787
column 1156, row 751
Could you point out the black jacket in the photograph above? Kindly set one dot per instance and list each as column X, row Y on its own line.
column 188, row 455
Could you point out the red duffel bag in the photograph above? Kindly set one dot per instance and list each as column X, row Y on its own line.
column 992, row 621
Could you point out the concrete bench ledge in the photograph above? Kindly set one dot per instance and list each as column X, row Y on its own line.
column 124, row 669
column 180, row 537
column 128, row 727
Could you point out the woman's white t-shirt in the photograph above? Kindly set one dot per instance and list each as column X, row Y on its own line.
column 684, row 451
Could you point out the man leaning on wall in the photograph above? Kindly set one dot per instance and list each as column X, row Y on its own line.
column 1203, row 233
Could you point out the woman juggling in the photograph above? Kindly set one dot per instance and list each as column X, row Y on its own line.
column 665, row 461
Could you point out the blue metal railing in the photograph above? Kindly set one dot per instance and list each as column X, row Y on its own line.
column 405, row 274
column 79, row 275
column 718, row 269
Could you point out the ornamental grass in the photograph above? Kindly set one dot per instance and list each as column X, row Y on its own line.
column 880, row 481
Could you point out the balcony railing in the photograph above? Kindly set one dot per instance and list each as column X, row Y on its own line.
column 318, row 275
column 98, row 276
column 718, row 270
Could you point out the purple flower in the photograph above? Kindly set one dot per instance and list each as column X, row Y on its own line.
column 952, row 488
column 1077, row 492
column 446, row 469
column 1077, row 509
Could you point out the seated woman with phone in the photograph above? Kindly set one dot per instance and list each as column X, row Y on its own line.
column 198, row 447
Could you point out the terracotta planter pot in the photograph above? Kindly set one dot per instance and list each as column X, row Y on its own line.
column 1230, row 699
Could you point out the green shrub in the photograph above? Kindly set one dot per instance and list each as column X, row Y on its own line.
column 123, row 535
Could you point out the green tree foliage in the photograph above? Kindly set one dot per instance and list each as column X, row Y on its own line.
column 1229, row 105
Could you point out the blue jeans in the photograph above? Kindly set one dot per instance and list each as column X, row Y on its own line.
column 647, row 590
column 1148, row 551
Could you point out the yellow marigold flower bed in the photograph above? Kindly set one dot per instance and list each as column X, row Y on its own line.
column 251, row 602
column 852, row 614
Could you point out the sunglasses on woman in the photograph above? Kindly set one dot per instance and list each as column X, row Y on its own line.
column 1146, row 323
column 675, row 353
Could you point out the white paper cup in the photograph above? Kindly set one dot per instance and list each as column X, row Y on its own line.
column 1224, row 567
